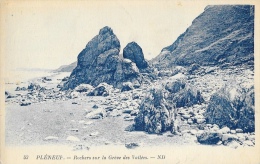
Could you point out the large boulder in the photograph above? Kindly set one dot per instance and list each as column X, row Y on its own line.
column 232, row 106
column 155, row 115
column 99, row 62
column 134, row 52
column 208, row 138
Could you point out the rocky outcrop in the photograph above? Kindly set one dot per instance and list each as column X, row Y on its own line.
column 221, row 35
column 134, row 52
column 232, row 106
column 99, row 62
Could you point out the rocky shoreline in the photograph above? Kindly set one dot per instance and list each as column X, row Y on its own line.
column 109, row 102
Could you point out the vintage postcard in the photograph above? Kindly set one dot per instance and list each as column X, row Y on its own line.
column 129, row 81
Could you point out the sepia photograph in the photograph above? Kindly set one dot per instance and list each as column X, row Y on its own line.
column 129, row 81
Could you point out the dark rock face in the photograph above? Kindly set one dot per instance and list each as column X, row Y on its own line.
column 232, row 107
column 221, row 35
column 155, row 115
column 99, row 62
column 134, row 52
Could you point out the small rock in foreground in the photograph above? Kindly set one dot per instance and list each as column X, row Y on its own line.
column 131, row 145
column 208, row 138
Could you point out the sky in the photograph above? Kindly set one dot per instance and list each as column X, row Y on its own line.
column 49, row 34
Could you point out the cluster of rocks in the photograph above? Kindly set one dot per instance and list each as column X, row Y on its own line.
column 114, row 102
column 128, row 102
column 31, row 87
column 193, row 115
column 180, row 108
column 35, row 93
column 124, row 101
column 172, row 104
column 213, row 135
column 100, row 62
column 21, row 89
